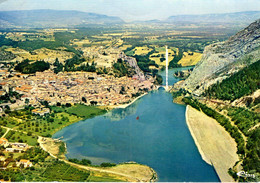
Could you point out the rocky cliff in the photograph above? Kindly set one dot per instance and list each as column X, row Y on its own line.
column 223, row 59
column 139, row 74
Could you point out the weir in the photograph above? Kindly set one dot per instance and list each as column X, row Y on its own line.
column 166, row 66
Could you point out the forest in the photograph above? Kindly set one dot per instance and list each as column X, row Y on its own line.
column 244, row 118
column 26, row 67
column 240, row 84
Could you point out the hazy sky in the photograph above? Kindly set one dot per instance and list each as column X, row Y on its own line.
column 130, row 10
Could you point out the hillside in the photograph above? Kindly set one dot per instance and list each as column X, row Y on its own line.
column 52, row 18
column 237, row 17
column 223, row 59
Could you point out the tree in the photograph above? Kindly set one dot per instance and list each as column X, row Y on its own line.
column 85, row 162
column 27, row 101
column 6, row 178
column 84, row 99
column 68, row 105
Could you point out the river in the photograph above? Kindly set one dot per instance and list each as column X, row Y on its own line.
column 160, row 138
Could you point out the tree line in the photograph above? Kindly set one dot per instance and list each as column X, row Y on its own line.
column 240, row 84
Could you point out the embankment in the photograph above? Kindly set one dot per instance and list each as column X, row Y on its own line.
column 215, row 145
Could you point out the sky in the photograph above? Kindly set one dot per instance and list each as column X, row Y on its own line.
column 132, row 10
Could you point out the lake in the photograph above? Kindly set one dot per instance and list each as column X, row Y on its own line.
column 160, row 138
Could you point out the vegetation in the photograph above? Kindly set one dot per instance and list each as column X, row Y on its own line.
column 244, row 118
column 2, row 131
column 60, row 171
column 190, row 58
column 120, row 68
column 144, row 62
column 46, row 169
column 81, row 162
column 26, row 67
column 251, row 161
column 88, row 162
column 10, row 96
column 14, row 136
column 107, row 164
column 84, row 111
column 25, row 121
column 6, row 55
column 174, row 62
column 240, row 84
column 70, row 65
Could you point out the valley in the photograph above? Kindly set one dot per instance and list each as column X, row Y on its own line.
column 81, row 98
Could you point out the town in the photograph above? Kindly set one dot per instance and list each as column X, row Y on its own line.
column 71, row 88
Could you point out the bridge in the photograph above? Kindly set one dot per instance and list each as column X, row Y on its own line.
column 165, row 87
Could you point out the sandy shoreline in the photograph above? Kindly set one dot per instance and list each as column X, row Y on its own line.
column 128, row 104
column 215, row 145
column 195, row 138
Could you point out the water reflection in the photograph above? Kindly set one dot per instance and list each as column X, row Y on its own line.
column 121, row 113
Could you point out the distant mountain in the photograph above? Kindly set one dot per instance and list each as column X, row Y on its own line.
column 221, row 60
column 53, row 18
column 146, row 21
column 238, row 17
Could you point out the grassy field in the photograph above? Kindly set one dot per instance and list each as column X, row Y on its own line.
column 143, row 50
column 41, row 54
column 47, row 126
column 60, row 171
column 60, row 117
column 103, row 177
column 14, row 136
column 160, row 53
column 80, row 43
column 190, row 58
column 85, row 111
column 124, row 47
column 2, row 131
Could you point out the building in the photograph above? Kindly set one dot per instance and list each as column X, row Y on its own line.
column 41, row 112
column 17, row 147
column 4, row 142
column 25, row 163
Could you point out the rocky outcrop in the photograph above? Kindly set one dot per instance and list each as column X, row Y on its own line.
column 246, row 101
column 223, row 59
column 133, row 63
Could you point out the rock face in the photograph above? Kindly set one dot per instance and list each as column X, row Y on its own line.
column 133, row 63
column 223, row 59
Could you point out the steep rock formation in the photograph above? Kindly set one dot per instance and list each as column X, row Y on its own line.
column 222, row 59
column 133, row 63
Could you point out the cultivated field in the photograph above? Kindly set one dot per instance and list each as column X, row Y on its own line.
column 159, row 55
column 190, row 58
column 41, row 54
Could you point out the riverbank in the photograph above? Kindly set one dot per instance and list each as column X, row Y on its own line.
column 129, row 172
column 215, row 145
column 121, row 106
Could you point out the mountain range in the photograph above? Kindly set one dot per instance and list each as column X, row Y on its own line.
column 237, row 17
column 53, row 18
column 71, row 18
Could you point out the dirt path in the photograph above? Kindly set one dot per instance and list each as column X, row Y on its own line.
column 215, row 145
column 7, row 130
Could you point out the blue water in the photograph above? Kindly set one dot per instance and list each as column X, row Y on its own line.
column 159, row 139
